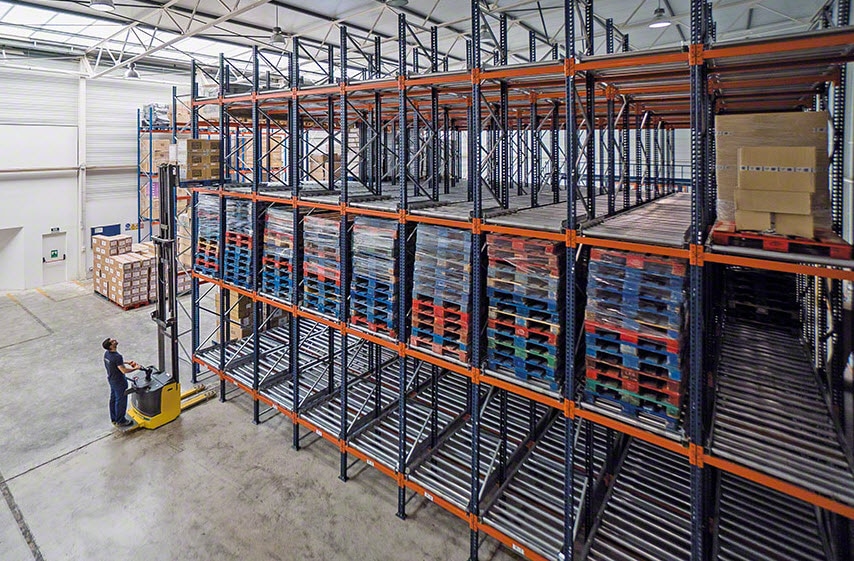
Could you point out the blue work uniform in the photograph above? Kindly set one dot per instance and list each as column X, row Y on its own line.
column 118, row 386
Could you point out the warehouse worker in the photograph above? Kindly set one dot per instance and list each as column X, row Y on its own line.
column 116, row 370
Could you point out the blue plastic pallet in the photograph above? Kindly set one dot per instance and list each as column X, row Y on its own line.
column 631, row 303
column 635, row 362
column 532, row 362
column 521, row 370
column 519, row 342
column 619, row 273
column 640, row 286
column 387, row 295
column 373, row 282
column 206, row 271
column 632, row 318
column 440, row 339
column 631, row 410
column 321, row 304
column 373, row 300
column 647, row 351
column 498, row 295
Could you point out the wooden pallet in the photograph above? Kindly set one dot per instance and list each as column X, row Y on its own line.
column 826, row 244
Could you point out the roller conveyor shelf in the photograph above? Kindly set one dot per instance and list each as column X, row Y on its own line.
column 238, row 353
column 548, row 217
column 664, row 221
column 361, row 395
column 447, row 470
column 771, row 415
column 647, row 513
column 759, row 524
column 380, row 439
column 530, row 506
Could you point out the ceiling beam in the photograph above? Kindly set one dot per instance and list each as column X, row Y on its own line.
column 189, row 33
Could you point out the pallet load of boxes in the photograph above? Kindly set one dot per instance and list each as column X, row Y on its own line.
column 772, row 179
column 125, row 272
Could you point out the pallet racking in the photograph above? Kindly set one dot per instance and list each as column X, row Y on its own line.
column 431, row 422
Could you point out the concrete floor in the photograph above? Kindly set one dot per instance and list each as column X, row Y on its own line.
column 209, row 486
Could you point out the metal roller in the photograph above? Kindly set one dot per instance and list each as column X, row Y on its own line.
column 647, row 512
column 759, row 524
column 771, row 415
column 671, row 216
column 530, row 507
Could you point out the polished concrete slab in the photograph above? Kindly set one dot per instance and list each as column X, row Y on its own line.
column 210, row 486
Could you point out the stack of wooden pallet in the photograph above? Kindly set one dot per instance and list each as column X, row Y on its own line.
column 441, row 288
column 238, row 243
column 525, row 295
column 634, row 334
column 207, row 245
column 276, row 261
column 373, row 285
column 321, row 267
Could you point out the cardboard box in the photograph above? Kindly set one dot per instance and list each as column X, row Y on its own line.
column 752, row 220
column 774, row 201
column 153, row 153
column 733, row 132
column 780, row 168
column 111, row 245
column 802, row 226
column 242, row 309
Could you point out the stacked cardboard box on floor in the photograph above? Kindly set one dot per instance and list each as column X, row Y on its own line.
column 798, row 129
column 118, row 273
column 778, row 188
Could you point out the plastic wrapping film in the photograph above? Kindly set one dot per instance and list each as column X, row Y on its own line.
column 238, row 242
column 441, row 291
column 374, row 281
column 159, row 113
column 207, row 247
column 277, row 260
column 525, row 291
column 321, row 273
column 238, row 214
column 635, row 321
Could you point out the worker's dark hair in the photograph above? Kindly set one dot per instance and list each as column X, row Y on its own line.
column 107, row 342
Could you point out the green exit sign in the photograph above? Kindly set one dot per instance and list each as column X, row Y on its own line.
column 54, row 253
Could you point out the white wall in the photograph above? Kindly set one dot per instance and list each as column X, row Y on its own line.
column 88, row 180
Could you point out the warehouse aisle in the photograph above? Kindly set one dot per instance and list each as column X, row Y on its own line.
column 209, row 486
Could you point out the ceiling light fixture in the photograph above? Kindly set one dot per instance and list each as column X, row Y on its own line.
column 659, row 20
column 277, row 36
column 102, row 5
column 396, row 3
column 131, row 73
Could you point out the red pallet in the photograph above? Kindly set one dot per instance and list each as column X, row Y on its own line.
column 597, row 369
column 677, row 266
column 321, row 273
column 382, row 328
column 551, row 337
column 522, row 245
column 278, row 264
column 621, row 334
column 442, row 328
column 826, row 244
column 243, row 240
column 449, row 311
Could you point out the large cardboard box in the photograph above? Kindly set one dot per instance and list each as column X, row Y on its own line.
column 801, row 225
column 780, row 168
column 774, row 201
column 752, row 220
column 733, row 132
column 241, row 306
column 152, row 153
